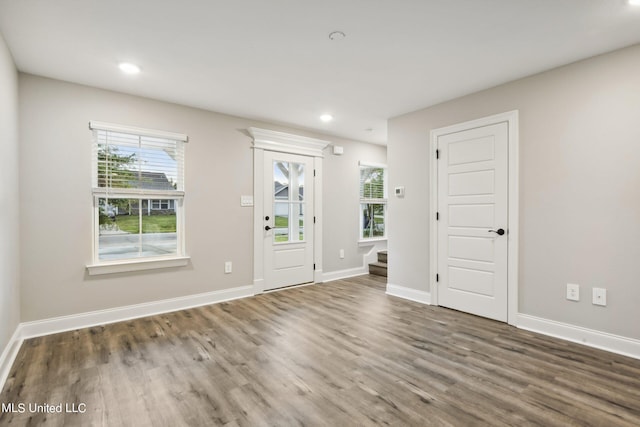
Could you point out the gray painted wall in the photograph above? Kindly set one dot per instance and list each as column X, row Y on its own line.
column 9, row 218
column 55, row 169
column 341, row 180
column 579, row 188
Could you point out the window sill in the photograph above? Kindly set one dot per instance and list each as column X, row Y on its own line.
column 136, row 265
column 369, row 242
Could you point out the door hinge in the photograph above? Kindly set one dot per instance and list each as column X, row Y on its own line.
column 437, row 216
column 314, row 267
column 437, row 277
column 314, row 172
column 437, row 154
column 314, row 219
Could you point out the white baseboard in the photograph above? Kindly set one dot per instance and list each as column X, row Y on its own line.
column 84, row 320
column 9, row 354
column 592, row 338
column 409, row 293
column 54, row 325
column 344, row 274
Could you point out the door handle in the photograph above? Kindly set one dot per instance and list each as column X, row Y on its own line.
column 267, row 228
column 499, row 231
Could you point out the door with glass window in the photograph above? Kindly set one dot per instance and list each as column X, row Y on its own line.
column 288, row 219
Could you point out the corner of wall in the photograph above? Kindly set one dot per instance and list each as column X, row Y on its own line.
column 9, row 215
column 368, row 257
column 8, row 356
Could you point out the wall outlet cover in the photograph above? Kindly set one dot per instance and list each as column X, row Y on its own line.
column 599, row 296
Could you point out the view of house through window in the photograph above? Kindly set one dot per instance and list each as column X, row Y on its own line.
column 138, row 195
column 373, row 201
column 288, row 201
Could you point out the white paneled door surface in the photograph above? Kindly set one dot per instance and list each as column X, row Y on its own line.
column 472, row 220
column 288, row 219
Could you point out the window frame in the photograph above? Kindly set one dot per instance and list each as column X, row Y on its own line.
column 372, row 201
column 178, row 259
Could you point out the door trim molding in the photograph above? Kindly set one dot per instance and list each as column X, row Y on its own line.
column 269, row 140
column 512, row 120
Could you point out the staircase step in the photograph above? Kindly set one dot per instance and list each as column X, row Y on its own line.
column 378, row 268
column 382, row 256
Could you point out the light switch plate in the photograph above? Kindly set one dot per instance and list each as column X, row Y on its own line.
column 246, row 200
column 573, row 292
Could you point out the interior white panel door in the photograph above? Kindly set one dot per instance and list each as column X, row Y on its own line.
column 288, row 219
column 472, row 225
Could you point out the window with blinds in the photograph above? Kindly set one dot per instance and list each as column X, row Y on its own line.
column 138, row 189
column 373, row 201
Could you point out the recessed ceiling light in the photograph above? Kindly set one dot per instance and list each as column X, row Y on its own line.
column 337, row 35
column 128, row 68
column 634, row 2
column 326, row 118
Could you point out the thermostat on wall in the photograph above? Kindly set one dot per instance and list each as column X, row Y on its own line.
column 399, row 191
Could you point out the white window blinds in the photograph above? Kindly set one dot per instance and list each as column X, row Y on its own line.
column 373, row 201
column 138, row 191
column 372, row 182
column 143, row 163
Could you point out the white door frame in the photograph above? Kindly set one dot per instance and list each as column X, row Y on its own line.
column 511, row 118
column 268, row 140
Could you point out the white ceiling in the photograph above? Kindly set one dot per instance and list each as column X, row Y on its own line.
column 273, row 60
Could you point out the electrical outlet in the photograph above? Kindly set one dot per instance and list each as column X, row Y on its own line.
column 573, row 292
column 599, row 296
column 227, row 267
column 341, row 253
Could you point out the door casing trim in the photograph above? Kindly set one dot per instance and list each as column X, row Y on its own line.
column 268, row 140
column 512, row 120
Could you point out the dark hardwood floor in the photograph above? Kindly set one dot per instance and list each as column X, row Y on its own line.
column 336, row 354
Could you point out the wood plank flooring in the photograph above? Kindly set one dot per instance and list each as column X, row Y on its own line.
column 336, row 354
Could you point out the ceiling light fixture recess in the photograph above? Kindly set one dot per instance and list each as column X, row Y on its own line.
column 326, row 118
column 129, row 68
column 337, row 35
column 634, row 2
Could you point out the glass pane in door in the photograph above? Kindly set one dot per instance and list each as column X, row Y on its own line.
column 298, row 179
column 300, row 214
column 281, row 222
column 288, row 201
column 281, row 180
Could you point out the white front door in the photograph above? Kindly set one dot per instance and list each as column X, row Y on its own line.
column 472, row 225
column 288, row 219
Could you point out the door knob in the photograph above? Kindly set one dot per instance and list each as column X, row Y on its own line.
column 267, row 228
column 499, row 231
